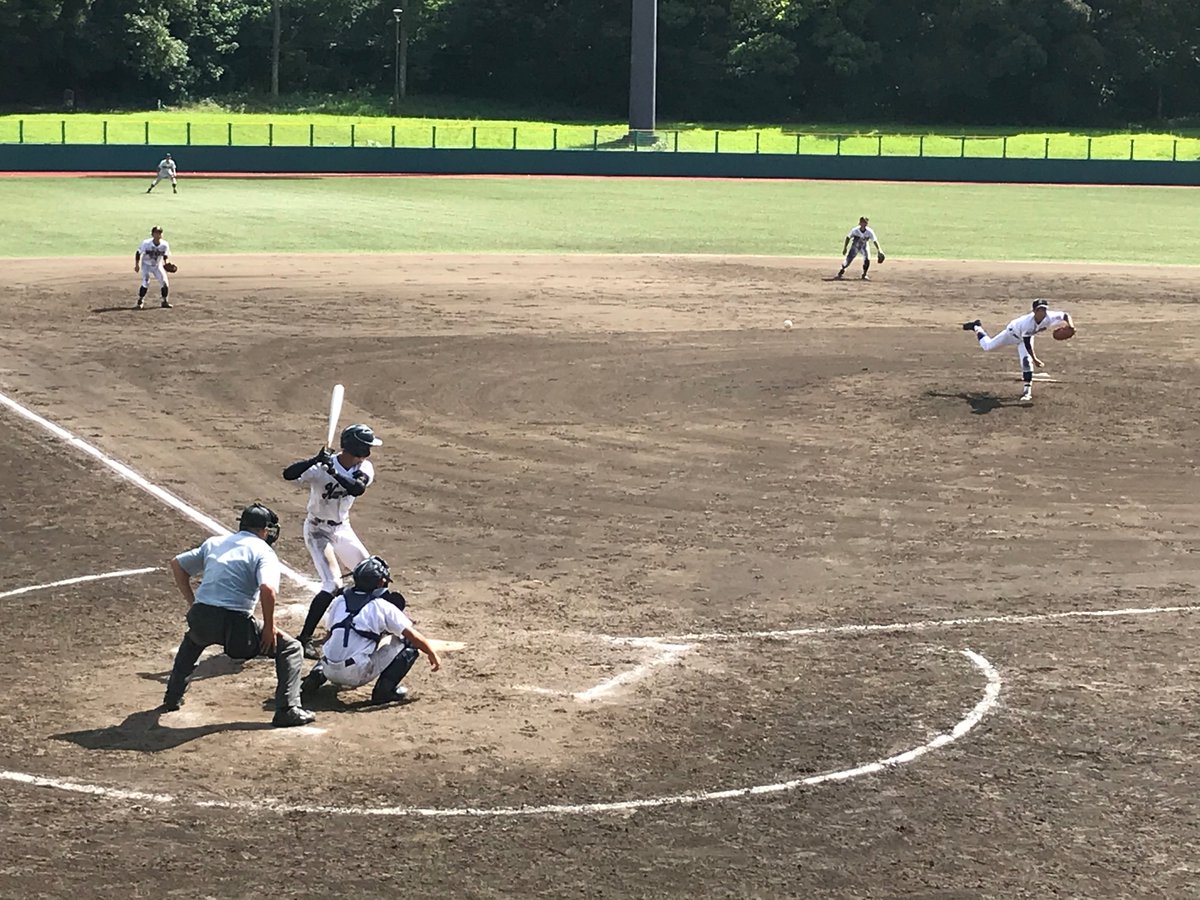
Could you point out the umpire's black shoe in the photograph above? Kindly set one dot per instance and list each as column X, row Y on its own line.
column 971, row 326
column 385, row 693
column 292, row 716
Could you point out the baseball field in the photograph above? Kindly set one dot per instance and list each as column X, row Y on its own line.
column 743, row 611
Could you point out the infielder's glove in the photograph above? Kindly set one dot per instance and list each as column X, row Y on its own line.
column 879, row 259
column 171, row 267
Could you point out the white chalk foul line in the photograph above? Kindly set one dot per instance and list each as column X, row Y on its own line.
column 124, row 573
column 133, row 477
column 922, row 625
column 991, row 694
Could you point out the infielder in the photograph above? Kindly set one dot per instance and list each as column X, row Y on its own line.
column 371, row 638
column 334, row 483
column 166, row 169
column 1020, row 332
column 858, row 243
column 151, row 260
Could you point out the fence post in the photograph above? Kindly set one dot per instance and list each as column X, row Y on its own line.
column 757, row 140
column 1089, row 152
column 474, row 131
column 921, row 146
column 1131, row 149
column 432, row 137
column 229, row 134
column 676, row 141
column 554, row 139
column 104, row 130
column 797, row 144
column 188, row 130
column 1174, row 149
column 270, row 134
column 962, row 147
column 595, row 138
column 393, row 137
column 1046, row 152
column 311, row 133
column 716, row 142
column 62, row 127
column 20, row 131
column 879, row 145
column 839, row 145
column 351, row 134
column 514, row 137
column 1004, row 148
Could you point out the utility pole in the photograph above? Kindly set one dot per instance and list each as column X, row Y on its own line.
column 276, row 29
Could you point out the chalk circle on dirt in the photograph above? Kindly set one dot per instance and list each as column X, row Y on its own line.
column 989, row 698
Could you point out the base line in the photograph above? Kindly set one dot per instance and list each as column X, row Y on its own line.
column 80, row 580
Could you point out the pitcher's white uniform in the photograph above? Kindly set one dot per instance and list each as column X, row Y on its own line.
column 327, row 525
column 153, row 257
column 1016, row 332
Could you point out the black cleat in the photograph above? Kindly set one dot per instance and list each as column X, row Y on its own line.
column 971, row 326
column 311, row 683
column 292, row 717
column 171, row 704
column 165, row 304
column 141, row 304
column 398, row 694
column 312, row 650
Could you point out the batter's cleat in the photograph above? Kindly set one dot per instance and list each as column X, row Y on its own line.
column 312, row 650
column 292, row 717
column 165, row 305
column 971, row 326
column 386, row 694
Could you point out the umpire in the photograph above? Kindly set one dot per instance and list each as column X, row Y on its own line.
column 237, row 570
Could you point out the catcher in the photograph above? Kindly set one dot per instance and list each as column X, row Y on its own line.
column 152, row 259
column 1020, row 331
column 858, row 242
column 371, row 638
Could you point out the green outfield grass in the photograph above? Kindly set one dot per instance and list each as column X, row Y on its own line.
column 108, row 216
column 174, row 130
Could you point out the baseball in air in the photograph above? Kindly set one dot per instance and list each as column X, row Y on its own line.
column 787, row 324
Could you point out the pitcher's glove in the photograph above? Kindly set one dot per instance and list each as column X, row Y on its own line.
column 171, row 267
column 879, row 259
column 1063, row 332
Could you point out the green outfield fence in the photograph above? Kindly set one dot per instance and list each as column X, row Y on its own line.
column 456, row 136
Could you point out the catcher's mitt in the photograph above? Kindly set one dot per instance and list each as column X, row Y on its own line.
column 1064, row 332
column 171, row 267
column 880, row 258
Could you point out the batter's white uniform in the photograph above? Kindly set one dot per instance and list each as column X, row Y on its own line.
column 153, row 257
column 327, row 525
column 860, row 240
column 166, row 172
column 1018, row 330
column 356, row 660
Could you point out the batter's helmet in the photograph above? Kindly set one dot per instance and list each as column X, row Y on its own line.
column 256, row 517
column 358, row 440
column 371, row 574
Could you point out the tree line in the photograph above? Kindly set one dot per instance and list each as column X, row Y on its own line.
column 1054, row 62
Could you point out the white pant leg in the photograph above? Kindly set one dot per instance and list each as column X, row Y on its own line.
column 316, row 539
column 163, row 176
column 1004, row 339
column 349, row 549
column 366, row 670
column 158, row 273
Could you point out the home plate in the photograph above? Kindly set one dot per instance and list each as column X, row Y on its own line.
column 444, row 646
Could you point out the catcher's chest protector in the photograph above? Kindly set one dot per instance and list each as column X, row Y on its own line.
column 356, row 601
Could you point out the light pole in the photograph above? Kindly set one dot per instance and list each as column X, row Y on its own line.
column 397, row 14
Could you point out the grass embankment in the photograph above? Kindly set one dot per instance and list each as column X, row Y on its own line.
column 175, row 130
column 108, row 216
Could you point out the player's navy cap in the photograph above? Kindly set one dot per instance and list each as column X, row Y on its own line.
column 1039, row 303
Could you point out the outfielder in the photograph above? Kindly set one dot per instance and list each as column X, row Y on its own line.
column 166, row 169
column 858, row 243
column 371, row 638
column 151, row 260
column 1020, row 332
column 334, row 482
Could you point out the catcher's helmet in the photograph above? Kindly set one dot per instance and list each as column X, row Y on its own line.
column 256, row 516
column 359, row 439
column 371, row 574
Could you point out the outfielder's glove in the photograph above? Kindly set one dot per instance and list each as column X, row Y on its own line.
column 1064, row 332
column 171, row 267
column 879, row 259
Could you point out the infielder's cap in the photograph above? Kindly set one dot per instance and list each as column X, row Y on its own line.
column 1039, row 303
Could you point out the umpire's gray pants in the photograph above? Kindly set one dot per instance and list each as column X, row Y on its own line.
column 239, row 634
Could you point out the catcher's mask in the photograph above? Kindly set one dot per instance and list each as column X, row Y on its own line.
column 256, row 517
column 358, row 440
column 371, row 574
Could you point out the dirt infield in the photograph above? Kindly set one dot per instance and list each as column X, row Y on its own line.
column 587, row 448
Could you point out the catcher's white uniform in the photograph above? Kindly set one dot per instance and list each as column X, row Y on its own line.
column 327, row 531
column 153, row 256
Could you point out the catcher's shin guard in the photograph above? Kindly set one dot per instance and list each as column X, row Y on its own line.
column 389, row 680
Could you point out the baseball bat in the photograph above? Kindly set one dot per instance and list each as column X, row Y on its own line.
column 335, row 413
